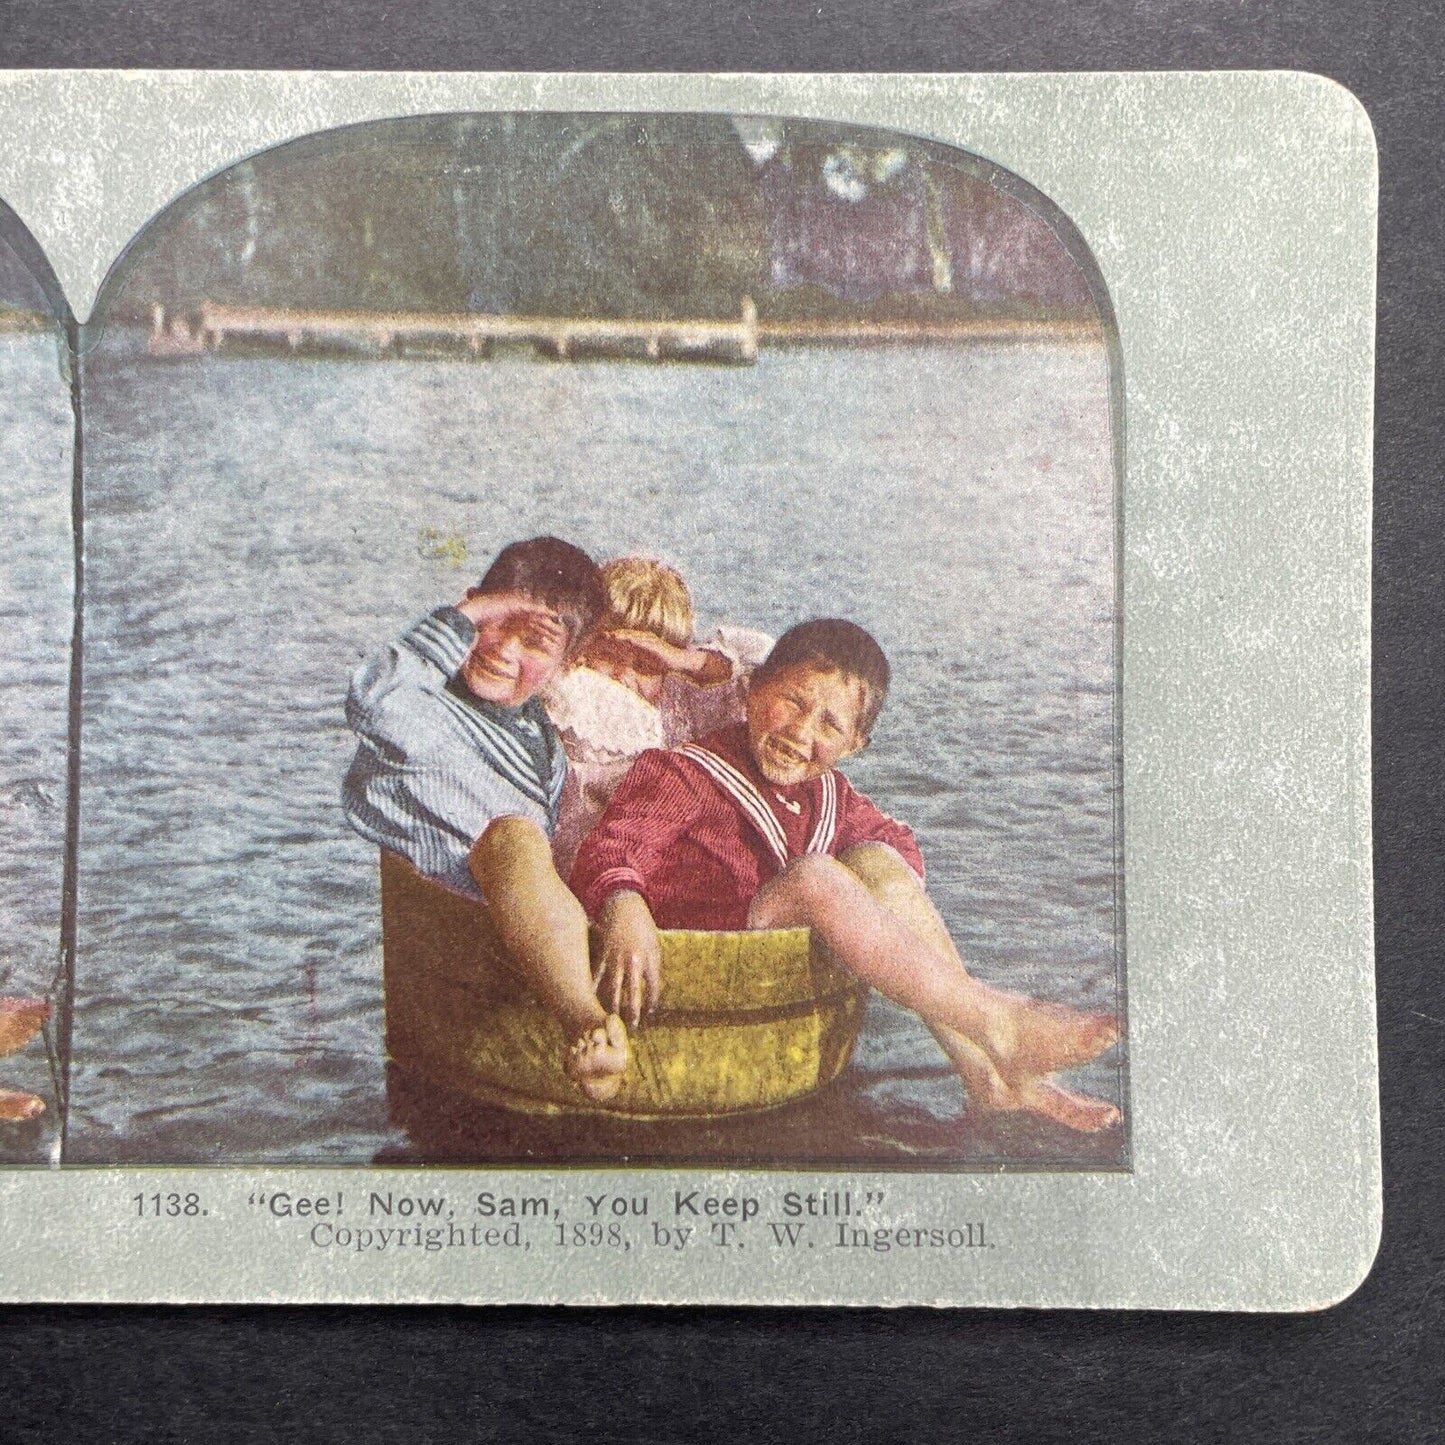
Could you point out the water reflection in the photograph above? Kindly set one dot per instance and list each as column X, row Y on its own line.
column 842, row 1125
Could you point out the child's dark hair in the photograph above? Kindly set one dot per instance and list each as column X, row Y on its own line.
column 838, row 646
column 554, row 572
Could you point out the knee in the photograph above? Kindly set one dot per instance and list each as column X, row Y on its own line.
column 506, row 842
column 808, row 882
column 880, row 868
column 783, row 901
column 869, row 860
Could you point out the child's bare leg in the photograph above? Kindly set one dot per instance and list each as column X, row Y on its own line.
column 1004, row 1046
column 896, row 886
column 893, row 883
column 544, row 929
column 1074, row 1111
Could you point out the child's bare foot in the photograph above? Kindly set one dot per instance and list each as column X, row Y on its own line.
column 20, row 1021
column 597, row 1061
column 1074, row 1111
column 990, row 1091
column 15, row 1105
column 1048, row 1037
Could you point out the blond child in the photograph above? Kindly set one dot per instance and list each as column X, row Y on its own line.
column 640, row 682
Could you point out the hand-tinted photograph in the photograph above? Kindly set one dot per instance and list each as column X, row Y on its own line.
column 37, row 586
column 599, row 643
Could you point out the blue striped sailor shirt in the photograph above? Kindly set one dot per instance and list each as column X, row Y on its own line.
column 435, row 765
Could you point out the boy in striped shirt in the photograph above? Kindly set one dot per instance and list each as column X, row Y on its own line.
column 753, row 828
column 459, row 770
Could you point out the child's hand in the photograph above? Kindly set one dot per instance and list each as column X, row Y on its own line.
column 629, row 961
column 665, row 655
column 484, row 607
column 701, row 665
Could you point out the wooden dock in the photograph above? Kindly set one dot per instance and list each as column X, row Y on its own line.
column 215, row 328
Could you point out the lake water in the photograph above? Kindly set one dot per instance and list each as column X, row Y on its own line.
column 255, row 527
column 36, row 597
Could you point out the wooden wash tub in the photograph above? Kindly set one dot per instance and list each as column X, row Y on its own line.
column 745, row 1021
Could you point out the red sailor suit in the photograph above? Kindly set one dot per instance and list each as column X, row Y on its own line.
column 698, row 830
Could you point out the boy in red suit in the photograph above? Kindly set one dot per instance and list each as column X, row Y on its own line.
column 753, row 828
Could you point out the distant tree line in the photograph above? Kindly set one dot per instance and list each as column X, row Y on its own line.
column 600, row 215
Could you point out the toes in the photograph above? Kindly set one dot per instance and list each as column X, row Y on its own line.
column 597, row 1061
column 1053, row 1036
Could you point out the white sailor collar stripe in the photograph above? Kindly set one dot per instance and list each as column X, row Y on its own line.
column 755, row 807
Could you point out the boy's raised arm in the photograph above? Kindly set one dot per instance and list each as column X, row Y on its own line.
column 417, row 786
column 425, row 657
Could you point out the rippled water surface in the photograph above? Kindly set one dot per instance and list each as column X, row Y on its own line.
column 256, row 526
column 36, row 591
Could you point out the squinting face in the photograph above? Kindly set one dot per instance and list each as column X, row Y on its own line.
column 518, row 651
column 802, row 721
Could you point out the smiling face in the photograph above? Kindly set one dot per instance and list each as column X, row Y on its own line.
column 803, row 720
column 521, row 644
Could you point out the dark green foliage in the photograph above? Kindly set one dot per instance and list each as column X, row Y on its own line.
column 594, row 215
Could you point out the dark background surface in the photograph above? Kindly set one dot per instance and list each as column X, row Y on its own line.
column 1370, row 1369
